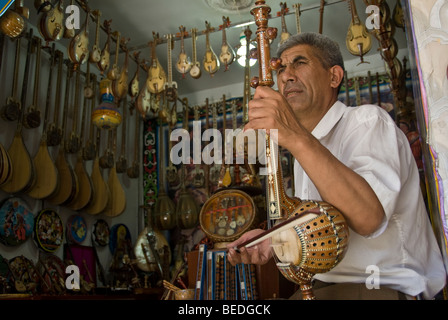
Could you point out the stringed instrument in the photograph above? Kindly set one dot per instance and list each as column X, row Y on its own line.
column 114, row 72
column 104, row 63
column 170, row 85
column 210, row 62
column 122, row 162
column 73, row 143
column 5, row 165
column 156, row 79
column 95, row 53
column 120, row 85
column 199, row 176
column 117, row 200
column 358, row 40
column 78, row 49
column 54, row 132
column 134, row 85
column 297, row 13
column 31, row 119
column 227, row 55
column 285, row 34
column 321, row 16
column 46, row 177
column 107, row 159
column 90, row 147
column 51, row 23
column 69, row 33
column 68, row 185
column 225, row 178
column 183, row 64
column 318, row 226
column 12, row 23
column 133, row 171
column 398, row 15
column 171, row 171
column 11, row 110
column 217, row 154
column 23, row 168
column 85, row 192
column 101, row 193
column 143, row 102
column 195, row 71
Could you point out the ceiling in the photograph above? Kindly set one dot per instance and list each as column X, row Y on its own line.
column 136, row 20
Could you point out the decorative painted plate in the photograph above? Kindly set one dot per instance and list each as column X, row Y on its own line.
column 48, row 230
column 76, row 229
column 119, row 237
column 101, row 232
column 16, row 221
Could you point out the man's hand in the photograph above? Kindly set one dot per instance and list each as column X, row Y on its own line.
column 258, row 254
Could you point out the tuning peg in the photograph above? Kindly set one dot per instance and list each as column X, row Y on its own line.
column 271, row 33
column 254, row 82
column 275, row 63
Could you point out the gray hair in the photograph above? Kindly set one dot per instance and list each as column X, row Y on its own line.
column 328, row 50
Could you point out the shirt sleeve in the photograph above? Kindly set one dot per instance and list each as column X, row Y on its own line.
column 374, row 150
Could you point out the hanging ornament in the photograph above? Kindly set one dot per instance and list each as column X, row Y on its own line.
column 106, row 115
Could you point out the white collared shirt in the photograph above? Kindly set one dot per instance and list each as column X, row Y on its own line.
column 404, row 249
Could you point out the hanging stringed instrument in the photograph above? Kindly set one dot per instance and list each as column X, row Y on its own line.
column 133, row 172
column 170, row 85
column 69, row 33
column 120, row 85
column 156, row 75
column 104, row 63
column 310, row 227
column 51, row 23
column 122, row 161
column 227, row 55
column 78, row 49
column 321, row 17
column 101, row 193
column 183, row 64
column 285, row 34
column 31, row 119
column 68, row 182
column 195, row 71
column 90, row 147
column 134, row 85
column 23, row 167
column 117, row 200
column 95, row 53
column 216, row 167
column 73, row 144
column 358, row 40
column 46, row 177
column 85, row 192
column 114, row 72
column 54, row 132
column 11, row 110
column 198, row 177
column 297, row 13
column 210, row 62
column 12, row 23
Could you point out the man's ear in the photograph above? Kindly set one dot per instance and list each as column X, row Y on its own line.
column 337, row 74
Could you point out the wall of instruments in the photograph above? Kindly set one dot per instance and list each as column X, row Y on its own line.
column 74, row 189
column 82, row 180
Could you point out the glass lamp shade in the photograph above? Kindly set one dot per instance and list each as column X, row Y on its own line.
column 187, row 211
column 164, row 212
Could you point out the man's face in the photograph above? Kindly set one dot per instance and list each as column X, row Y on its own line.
column 304, row 82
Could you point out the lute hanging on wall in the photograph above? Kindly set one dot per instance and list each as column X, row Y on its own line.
column 227, row 54
column 295, row 249
column 210, row 62
column 358, row 39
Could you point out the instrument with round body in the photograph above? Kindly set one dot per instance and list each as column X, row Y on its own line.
column 227, row 214
column 101, row 232
column 317, row 240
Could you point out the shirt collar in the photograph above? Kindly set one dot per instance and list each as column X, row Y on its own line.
column 326, row 124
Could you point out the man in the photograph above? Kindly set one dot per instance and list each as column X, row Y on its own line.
column 358, row 160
